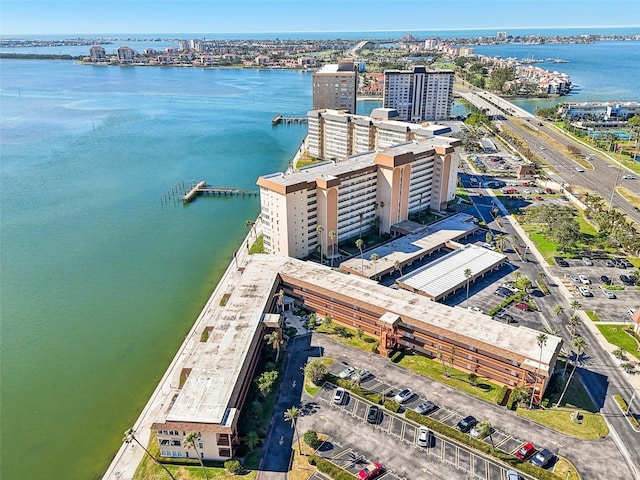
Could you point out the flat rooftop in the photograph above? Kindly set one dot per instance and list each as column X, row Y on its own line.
column 407, row 249
column 216, row 363
column 446, row 274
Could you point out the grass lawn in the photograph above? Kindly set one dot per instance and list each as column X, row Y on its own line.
column 576, row 396
column 629, row 196
column 616, row 335
column 309, row 386
column 257, row 246
column 366, row 343
column 547, row 248
column 459, row 379
column 149, row 470
column 592, row 426
column 565, row 469
column 592, row 316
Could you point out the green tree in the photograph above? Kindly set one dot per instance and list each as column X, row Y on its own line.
column 489, row 237
column 398, row 266
column 374, row 258
column 332, row 236
column 252, row 440
column 311, row 438
column 360, row 244
column 266, row 381
column 316, row 371
column 452, row 358
column 524, row 284
column 359, row 333
column 291, row 415
column 574, row 323
column 541, row 340
column 440, row 357
column 558, row 310
column 575, row 305
column 191, row 441
column 580, row 346
column 327, row 321
column 280, row 300
column 233, row 466
column 319, row 230
column 473, row 379
column 468, row 274
column 273, row 339
column 129, row 436
column 311, row 322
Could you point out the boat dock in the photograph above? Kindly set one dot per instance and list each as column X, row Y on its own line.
column 282, row 119
column 201, row 188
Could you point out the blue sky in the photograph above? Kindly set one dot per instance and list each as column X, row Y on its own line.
column 258, row 16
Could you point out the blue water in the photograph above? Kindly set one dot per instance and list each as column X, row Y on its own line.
column 100, row 280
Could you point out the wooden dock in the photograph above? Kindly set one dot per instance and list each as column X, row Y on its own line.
column 282, row 119
column 201, row 188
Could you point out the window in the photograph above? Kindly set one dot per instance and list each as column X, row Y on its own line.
column 224, row 452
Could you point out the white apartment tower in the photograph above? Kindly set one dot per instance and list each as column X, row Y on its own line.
column 419, row 94
column 376, row 189
column 335, row 86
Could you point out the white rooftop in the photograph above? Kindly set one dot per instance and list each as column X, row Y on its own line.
column 447, row 273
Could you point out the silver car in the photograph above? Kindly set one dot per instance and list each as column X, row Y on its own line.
column 423, row 437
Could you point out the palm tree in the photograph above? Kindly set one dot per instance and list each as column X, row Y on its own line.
column 580, row 345
column 273, row 339
column 249, row 224
column 360, row 244
column 191, row 441
column 280, row 301
column 374, row 258
column 130, row 436
column 468, row 274
column 441, row 358
column 452, row 357
column 332, row 236
column 558, row 310
column 574, row 322
column 381, row 205
column 575, row 305
column 501, row 242
column 291, row 415
column 398, row 266
column 252, row 440
column 542, row 341
column 319, row 230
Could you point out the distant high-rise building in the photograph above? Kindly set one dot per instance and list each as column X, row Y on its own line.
column 501, row 35
column 334, row 87
column 430, row 43
column 97, row 53
column 419, row 94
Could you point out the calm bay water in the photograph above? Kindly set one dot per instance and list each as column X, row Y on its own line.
column 99, row 280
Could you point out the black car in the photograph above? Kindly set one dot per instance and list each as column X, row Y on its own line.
column 373, row 416
column 606, row 280
column 542, row 458
column 626, row 279
column 503, row 292
column 466, row 424
column 561, row 262
column 504, row 316
column 618, row 263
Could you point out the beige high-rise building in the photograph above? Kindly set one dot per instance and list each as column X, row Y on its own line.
column 419, row 94
column 335, row 86
column 376, row 189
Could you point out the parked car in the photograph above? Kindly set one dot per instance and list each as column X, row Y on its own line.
column 466, row 424
column 542, row 458
column 423, row 437
column 373, row 415
column 561, row 262
column 626, row 279
column 525, row 451
column 539, row 198
column 522, row 306
column 347, row 372
column 579, row 169
column 606, row 280
column 549, row 191
column 574, row 278
column 403, row 395
column 339, row 396
column 370, row 471
column 609, row 263
column 489, row 246
column 513, row 475
column 503, row 292
column 504, row 316
column 511, row 288
column 584, row 280
column 628, row 177
column 609, row 294
column 476, row 431
column 360, row 375
column 584, row 291
column 587, row 261
column 476, row 309
column 425, row 407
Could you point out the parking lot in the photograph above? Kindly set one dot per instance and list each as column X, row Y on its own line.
column 403, row 432
column 609, row 310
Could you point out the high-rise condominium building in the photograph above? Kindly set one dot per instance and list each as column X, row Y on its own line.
column 334, row 86
column 419, row 94
column 328, row 203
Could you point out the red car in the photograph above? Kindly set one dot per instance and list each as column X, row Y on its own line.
column 539, row 199
column 525, row 184
column 549, row 191
column 525, row 451
column 522, row 306
column 370, row 471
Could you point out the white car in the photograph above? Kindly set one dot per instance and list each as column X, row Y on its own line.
column 476, row 309
column 339, row 396
column 584, row 280
column 360, row 375
column 609, row 294
column 511, row 288
column 579, row 169
column 423, row 437
column 403, row 395
column 347, row 372
column 585, row 292
column 628, row 177
column 587, row 261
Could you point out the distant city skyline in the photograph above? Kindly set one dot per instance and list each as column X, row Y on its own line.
column 46, row 17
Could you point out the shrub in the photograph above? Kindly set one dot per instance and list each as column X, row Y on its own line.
column 311, row 439
column 502, row 393
column 316, row 371
column 233, row 466
column 329, row 468
column 543, row 287
column 391, row 405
